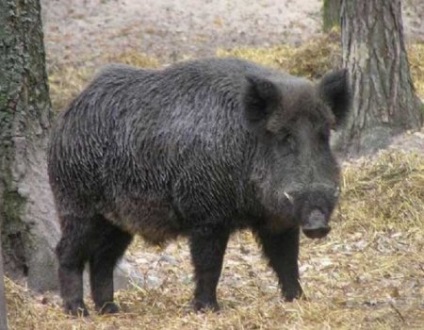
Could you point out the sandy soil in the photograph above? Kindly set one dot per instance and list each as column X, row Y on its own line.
column 77, row 30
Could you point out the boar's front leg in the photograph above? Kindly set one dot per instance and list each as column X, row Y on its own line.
column 282, row 250
column 207, row 247
column 108, row 246
column 72, row 253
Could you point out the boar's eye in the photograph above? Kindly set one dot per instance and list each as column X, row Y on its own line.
column 324, row 135
column 287, row 140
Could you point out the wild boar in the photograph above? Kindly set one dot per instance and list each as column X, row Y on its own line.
column 200, row 149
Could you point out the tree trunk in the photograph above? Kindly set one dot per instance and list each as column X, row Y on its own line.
column 384, row 100
column 3, row 312
column 331, row 14
column 28, row 219
column 27, row 216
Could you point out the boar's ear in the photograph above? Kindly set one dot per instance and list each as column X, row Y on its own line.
column 261, row 97
column 335, row 91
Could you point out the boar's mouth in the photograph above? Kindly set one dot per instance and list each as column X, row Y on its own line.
column 316, row 225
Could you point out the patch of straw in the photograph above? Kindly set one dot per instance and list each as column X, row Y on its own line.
column 317, row 56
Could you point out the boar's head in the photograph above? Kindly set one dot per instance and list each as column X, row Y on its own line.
column 295, row 174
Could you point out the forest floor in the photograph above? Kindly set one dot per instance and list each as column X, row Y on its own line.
column 81, row 31
column 368, row 274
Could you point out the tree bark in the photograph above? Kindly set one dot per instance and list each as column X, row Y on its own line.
column 3, row 311
column 27, row 216
column 331, row 14
column 384, row 100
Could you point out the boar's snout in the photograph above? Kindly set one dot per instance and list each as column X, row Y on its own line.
column 316, row 225
column 313, row 209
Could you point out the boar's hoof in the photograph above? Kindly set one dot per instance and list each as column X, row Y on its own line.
column 108, row 308
column 316, row 225
column 76, row 308
column 204, row 306
column 316, row 232
column 300, row 297
column 294, row 293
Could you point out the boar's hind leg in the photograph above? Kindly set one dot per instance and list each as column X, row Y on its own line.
column 72, row 253
column 282, row 250
column 108, row 246
column 207, row 247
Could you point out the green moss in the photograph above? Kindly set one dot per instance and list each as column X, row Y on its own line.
column 15, row 239
column 331, row 14
column 13, row 204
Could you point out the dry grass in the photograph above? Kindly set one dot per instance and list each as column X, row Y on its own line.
column 368, row 274
column 66, row 82
column 416, row 60
column 314, row 58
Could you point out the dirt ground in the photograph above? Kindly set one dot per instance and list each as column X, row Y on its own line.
column 80, row 31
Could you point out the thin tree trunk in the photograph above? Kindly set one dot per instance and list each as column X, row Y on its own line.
column 331, row 14
column 27, row 216
column 384, row 100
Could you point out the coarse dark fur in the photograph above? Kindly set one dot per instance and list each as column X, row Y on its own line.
column 201, row 149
